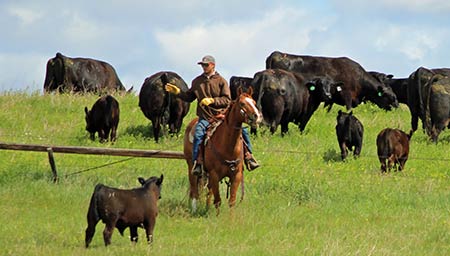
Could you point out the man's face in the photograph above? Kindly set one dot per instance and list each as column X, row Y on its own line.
column 208, row 68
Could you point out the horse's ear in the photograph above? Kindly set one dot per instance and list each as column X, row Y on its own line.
column 250, row 90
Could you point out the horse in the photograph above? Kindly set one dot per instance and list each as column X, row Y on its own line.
column 224, row 152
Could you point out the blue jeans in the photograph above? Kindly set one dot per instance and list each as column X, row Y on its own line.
column 200, row 131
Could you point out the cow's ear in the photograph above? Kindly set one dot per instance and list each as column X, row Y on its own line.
column 141, row 180
column 160, row 180
column 239, row 90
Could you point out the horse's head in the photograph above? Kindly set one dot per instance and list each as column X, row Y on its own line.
column 247, row 107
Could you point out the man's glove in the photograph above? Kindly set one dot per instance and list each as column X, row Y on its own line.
column 207, row 101
column 172, row 89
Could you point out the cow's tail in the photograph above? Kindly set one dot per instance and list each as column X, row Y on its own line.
column 93, row 215
column 168, row 97
column 410, row 134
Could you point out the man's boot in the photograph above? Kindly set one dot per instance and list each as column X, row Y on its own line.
column 250, row 162
column 197, row 169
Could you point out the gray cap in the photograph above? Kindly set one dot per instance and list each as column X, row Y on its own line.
column 207, row 59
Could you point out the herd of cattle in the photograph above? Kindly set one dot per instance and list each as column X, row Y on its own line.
column 290, row 89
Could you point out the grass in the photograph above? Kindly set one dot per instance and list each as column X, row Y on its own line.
column 302, row 201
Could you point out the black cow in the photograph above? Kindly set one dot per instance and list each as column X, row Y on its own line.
column 356, row 84
column 437, row 106
column 122, row 208
column 393, row 147
column 424, row 89
column 103, row 118
column 349, row 131
column 285, row 97
column 161, row 107
column 239, row 81
column 65, row 74
column 398, row 85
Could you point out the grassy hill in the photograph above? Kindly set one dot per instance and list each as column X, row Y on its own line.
column 302, row 201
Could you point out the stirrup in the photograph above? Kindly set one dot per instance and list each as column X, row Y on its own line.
column 251, row 163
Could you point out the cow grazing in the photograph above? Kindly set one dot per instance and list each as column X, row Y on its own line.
column 103, row 118
column 238, row 81
column 357, row 85
column 285, row 97
column 80, row 75
column 349, row 131
column 161, row 107
column 122, row 208
column 393, row 149
column 398, row 85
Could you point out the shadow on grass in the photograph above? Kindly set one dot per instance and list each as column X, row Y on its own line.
column 332, row 156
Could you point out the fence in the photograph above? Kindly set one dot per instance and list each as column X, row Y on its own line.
column 91, row 151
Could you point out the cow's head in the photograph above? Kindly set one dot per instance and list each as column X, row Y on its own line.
column 321, row 88
column 385, row 98
column 342, row 117
column 153, row 184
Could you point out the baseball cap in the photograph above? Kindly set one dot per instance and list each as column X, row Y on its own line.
column 207, row 59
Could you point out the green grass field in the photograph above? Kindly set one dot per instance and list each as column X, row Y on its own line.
column 302, row 201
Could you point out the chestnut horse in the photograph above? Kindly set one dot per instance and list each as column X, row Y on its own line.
column 223, row 153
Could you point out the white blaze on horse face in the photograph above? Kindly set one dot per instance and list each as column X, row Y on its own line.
column 255, row 109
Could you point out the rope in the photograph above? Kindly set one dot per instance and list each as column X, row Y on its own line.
column 207, row 110
column 97, row 167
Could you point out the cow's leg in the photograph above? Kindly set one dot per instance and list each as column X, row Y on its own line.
column 414, row 121
column 101, row 134
column 113, row 133
column 107, row 132
column 234, row 188
column 284, row 127
column 108, row 231
column 90, row 231
column 357, row 151
column 156, row 128
column 149, row 226
column 383, row 164
column 391, row 161
column 133, row 234
column 343, row 150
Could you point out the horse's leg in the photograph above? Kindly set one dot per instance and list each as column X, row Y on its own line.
column 234, row 187
column 242, row 187
column 194, row 183
column 213, row 185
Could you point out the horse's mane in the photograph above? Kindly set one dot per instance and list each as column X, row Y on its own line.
column 234, row 102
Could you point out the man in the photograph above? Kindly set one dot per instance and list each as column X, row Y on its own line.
column 213, row 95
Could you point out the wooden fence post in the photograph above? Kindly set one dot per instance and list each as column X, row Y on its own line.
column 51, row 159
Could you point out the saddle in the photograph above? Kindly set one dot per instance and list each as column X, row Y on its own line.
column 213, row 124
